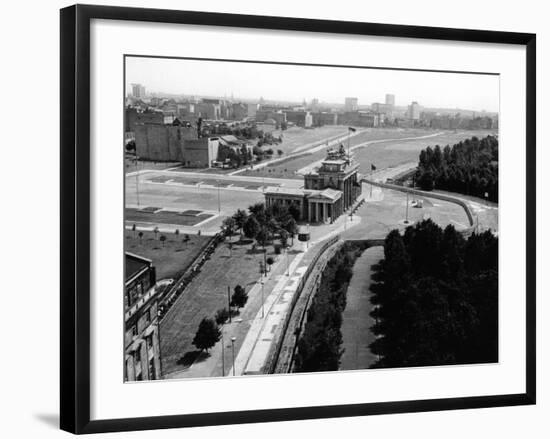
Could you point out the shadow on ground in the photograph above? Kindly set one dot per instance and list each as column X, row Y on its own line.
column 192, row 357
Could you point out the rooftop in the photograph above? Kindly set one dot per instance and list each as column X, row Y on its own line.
column 135, row 264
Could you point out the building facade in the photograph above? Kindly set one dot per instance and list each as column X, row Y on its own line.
column 328, row 191
column 175, row 143
column 351, row 104
column 414, row 111
column 141, row 331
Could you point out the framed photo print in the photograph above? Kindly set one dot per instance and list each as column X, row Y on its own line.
column 275, row 218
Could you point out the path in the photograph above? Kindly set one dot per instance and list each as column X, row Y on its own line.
column 356, row 321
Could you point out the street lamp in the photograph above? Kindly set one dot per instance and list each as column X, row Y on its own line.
column 407, row 210
column 137, row 180
column 219, row 201
column 223, row 356
column 262, row 285
column 233, row 352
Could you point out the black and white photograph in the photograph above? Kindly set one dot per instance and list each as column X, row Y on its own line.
column 286, row 218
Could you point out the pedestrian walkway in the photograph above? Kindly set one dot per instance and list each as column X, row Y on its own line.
column 356, row 321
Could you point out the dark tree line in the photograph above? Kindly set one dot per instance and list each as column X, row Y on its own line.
column 319, row 347
column 436, row 298
column 470, row 167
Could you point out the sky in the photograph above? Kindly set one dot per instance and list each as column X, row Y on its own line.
column 475, row 92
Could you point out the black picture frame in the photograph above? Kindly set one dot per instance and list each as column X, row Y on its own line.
column 75, row 217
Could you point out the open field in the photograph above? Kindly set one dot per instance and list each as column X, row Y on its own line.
column 214, row 182
column 383, row 154
column 187, row 197
column 203, row 297
column 297, row 137
column 165, row 217
column 356, row 321
column 169, row 260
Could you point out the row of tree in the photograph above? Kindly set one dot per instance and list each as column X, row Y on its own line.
column 263, row 223
column 435, row 297
column 469, row 167
column 319, row 347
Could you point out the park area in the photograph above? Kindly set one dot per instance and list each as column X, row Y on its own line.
column 206, row 294
column 171, row 257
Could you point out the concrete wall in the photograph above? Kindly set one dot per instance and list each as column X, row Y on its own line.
column 166, row 143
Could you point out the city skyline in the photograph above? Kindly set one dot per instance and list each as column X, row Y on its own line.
column 295, row 83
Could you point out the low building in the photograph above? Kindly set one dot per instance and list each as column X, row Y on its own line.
column 267, row 126
column 328, row 191
column 175, row 143
column 141, row 332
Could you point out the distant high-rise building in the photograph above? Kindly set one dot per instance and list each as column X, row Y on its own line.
column 390, row 99
column 138, row 91
column 351, row 104
column 314, row 104
column 414, row 111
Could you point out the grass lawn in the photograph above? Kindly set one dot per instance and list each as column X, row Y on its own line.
column 203, row 297
column 169, row 260
column 165, row 217
column 130, row 165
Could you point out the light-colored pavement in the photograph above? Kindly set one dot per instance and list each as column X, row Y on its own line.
column 356, row 321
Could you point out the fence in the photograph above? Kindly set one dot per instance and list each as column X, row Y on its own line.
column 185, row 279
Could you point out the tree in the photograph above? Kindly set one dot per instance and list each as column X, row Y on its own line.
column 239, row 297
column 228, row 226
column 270, row 261
column 262, row 236
column 426, row 181
column 207, row 335
column 251, row 227
column 140, row 234
column 221, row 316
column 280, row 152
column 134, row 230
column 291, row 227
column 294, row 210
column 240, row 218
column 283, row 238
column 162, row 239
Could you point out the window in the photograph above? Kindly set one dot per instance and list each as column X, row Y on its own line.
column 152, row 369
column 137, row 355
column 134, row 330
column 147, row 315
